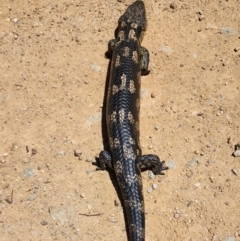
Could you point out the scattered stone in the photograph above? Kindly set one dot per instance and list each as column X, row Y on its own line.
column 237, row 150
column 82, row 195
column 229, row 239
column 77, row 152
column 236, row 49
column 95, row 67
column 155, row 186
column 62, row 153
column 156, row 127
column 237, row 147
column 32, row 197
column 171, row 164
column 149, row 190
column 197, row 185
column 166, row 49
column 74, row 142
column 201, row 17
column 95, row 118
column 192, row 162
column 143, row 93
column 151, row 175
column 229, row 140
column 44, row 223
column 34, row 151
column 113, row 220
column 2, row 160
column 177, row 215
column 15, row 20
column 230, row 31
column 153, row 95
column 89, row 159
column 28, row 172
column 235, row 171
column 58, row 215
column 236, row 153
column 173, row 5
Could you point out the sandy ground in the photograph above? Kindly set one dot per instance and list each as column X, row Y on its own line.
column 52, row 78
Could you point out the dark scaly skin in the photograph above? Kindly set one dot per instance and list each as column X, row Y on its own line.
column 129, row 61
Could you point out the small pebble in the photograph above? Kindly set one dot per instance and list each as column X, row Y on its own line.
column 89, row 159
column 15, row 20
column 155, row 186
column 82, row 195
column 149, row 190
column 28, row 172
column 176, row 215
column 2, row 160
column 171, row 164
column 74, row 142
column 197, row 184
column 44, row 223
column 173, row 5
column 156, row 127
column 192, row 162
column 77, row 152
column 234, row 171
column 62, row 153
column 166, row 49
column 229, row 239
column 116, row 203
column 236, row 153
column 153, row 95
column 32, row 197
column 151, row 175
column 202, row 17
column 113, row 220
column 237, row 147
column 95, row 67
column 236, row 49
column 34, row 151
column 88, row 171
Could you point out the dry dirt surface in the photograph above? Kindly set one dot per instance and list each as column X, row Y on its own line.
column 52, row 79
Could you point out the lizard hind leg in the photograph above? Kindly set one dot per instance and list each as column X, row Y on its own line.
column 153, row 162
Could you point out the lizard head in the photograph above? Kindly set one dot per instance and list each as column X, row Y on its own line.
column 134, row 17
